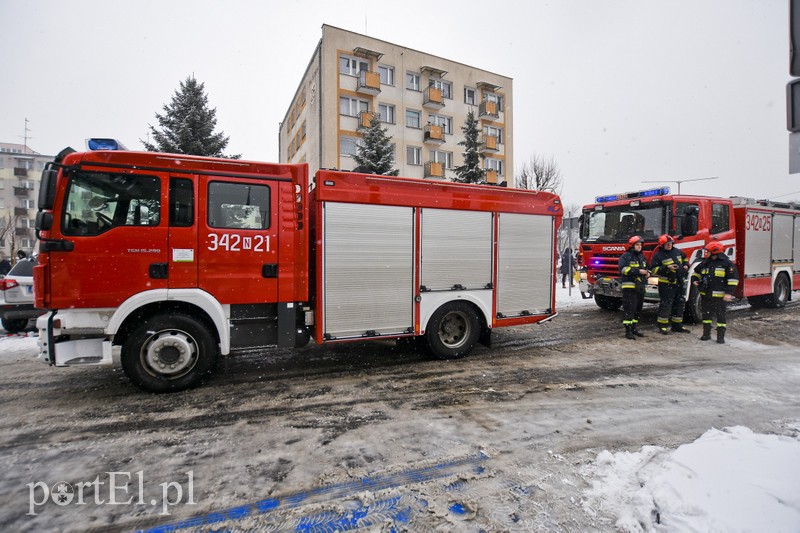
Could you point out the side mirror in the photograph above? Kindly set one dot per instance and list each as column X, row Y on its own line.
column 47, row 188
column 44, row 221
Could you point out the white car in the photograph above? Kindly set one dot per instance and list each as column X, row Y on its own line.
column 16, row 297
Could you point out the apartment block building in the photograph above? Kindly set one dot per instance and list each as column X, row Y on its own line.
column 20, row 173
column 421, row 99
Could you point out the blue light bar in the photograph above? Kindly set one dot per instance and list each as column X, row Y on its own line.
column 661, row 191
column 104, row 144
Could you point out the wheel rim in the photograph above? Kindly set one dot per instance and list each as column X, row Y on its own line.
column 169, row 354
column 781, row 292
column 454, row 329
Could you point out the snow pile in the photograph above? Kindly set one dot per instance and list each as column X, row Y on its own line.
column 729, row 480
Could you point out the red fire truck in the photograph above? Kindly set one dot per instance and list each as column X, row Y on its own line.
column 165, row 262
column 762, row 238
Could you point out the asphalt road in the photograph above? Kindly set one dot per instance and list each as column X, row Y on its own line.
column 379, row 436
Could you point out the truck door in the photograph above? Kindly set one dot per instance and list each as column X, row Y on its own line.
column 238, row 240
column 118, row 237
column 182, row 233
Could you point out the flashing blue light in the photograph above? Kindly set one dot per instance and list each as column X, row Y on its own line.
column 104, row 144
column 637, row 194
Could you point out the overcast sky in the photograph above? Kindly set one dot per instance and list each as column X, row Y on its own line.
column 618, row 91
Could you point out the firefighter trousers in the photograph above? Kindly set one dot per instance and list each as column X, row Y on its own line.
column 632, row 301
column 671, row 304
column 714, row 307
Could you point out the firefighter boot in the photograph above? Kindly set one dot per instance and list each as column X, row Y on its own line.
column 721, row 335
column 636, row 331
column 663, row 330
column 706, row 332
column 678, row 328
column 629, row 332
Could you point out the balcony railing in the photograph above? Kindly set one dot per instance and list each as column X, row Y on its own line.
column 490, row 143
column 488, row 109
column 21, row 172
column 22, row 232
column 21, row 191
column 434, row 170
column 369, row 83
column 491, row 176
column 364, row 119
column 21, row 211
column 433, row 134
column 432, row 97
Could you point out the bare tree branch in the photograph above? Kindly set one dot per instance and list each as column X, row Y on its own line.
column 540, row 173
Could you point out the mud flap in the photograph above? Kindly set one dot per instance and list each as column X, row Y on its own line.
column 486, row 337
column 287, row 323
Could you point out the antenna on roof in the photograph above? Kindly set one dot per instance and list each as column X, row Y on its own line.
column 682, row 181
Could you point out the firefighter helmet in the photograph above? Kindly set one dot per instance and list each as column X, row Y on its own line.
column 664, row 239
column 715, row 247
column 633, row 240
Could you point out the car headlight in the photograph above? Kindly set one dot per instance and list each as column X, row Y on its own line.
column 652, row 280
column 584, row 276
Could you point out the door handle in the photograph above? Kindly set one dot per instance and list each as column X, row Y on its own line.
column 269, row 271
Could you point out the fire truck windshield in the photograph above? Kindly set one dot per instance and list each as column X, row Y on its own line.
column 619, row 223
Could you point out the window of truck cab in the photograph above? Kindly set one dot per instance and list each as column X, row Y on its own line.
column 238, row 205
column 97, row 202
column 621, row 222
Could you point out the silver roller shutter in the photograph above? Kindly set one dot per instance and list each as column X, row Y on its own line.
column 524, row 264
column 368, row 253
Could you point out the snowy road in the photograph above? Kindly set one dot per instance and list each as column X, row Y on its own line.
column 380, row 437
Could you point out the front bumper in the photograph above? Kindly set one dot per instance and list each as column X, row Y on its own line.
column 610, row 287
column 70, row 339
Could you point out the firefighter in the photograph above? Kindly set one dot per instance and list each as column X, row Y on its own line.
column 717, row 278
column 670, row 265
column 633, row 277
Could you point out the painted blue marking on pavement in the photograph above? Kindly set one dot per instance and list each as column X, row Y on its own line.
column 458, row 508
column 337, row 491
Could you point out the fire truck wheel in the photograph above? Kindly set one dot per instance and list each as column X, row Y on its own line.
column 453, row 330
column 780, row 294
column 609, row 303
column 169, row 353
column 693, row 312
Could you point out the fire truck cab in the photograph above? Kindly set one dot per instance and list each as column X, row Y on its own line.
column 163, row 262
column 761, row 237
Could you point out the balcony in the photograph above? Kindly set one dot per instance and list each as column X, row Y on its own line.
column 491, row 176
column 21, row 172
column 488, row 110
column 433, row 134
column 20, row 211
column 21, row 191
column 432, row 98
column 434, row 170
column 490, row 144
column 365, row 119
column 22, row 232
column 369, row 83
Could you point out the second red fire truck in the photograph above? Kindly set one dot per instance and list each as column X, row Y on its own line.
column 761, row 237
column 166, row 262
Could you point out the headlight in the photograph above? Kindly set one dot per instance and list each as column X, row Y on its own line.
column 584, row 275
column 653, row 280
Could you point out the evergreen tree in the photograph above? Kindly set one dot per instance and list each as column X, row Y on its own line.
column 187, row 125
column 471, row 171
column 375, row 153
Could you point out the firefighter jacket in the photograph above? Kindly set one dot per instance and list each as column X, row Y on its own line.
column 661, row 262
column 717, row 276
column 629, row 265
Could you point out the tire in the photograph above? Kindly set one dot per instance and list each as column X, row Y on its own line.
column 453, row 330
column 609, row 303
column 780, row 293
column 169, row 353
column 15, row 325
column 693, row 313
column 757, row 302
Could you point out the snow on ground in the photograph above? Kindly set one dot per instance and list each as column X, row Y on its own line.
column 726, row 480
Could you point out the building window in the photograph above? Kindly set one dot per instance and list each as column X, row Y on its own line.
column 445, row 86
column 720, row 218
column 386, row 113
column 445, row 122
column 351, row 106
column 496, row 98
column 351, row 65
column 413, row 119
column 470, row 96
column 493, row 164
column 442, row 157
column 496, row 132
column 348, row 146
column 26, row 204
column 386, row 74
column 412, row 81
column 413, row 155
